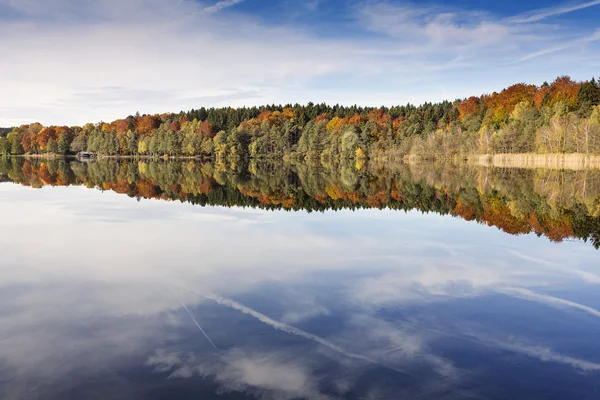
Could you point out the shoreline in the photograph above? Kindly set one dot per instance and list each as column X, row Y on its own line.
column 573, row 161
column 100, row 157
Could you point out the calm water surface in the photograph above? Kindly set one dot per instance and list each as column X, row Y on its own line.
column 107, row 296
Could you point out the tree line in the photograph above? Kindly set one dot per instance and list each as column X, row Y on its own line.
column 558, row 205
column 561, row 117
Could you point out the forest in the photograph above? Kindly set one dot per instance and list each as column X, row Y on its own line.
column 560, row 117
column 558, row 205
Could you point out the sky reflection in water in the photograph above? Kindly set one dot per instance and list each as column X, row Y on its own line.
column 368, row 305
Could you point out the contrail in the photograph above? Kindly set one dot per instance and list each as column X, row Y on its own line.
column 295, row 331
column 195, row 322
column 546, row 299
column 544, row 354
column 539, row 15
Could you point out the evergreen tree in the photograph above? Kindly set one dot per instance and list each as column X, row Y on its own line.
column 63, row 144
column 589, row 93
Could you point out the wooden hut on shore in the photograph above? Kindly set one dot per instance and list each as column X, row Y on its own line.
column 85, row 155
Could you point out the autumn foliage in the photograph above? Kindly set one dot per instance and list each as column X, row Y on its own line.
column 560, row 117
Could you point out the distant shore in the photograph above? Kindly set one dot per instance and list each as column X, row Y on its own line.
column 573, row 161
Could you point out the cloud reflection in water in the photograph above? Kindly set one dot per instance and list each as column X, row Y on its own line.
column 369, row 304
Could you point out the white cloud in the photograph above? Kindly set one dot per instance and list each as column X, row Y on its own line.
column 270, row 375
column 117, row 65
column 306, row 309
column 68, row 61
column 109, row 298
column 263, row 371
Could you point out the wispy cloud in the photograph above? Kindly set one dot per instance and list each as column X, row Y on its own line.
column 221, row 5
column 433, row 27
column 401, row 344
column 472, row 35
column 539, row 15
column 582, row 41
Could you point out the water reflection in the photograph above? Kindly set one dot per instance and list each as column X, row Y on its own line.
column 107, row 297
column 556, row 204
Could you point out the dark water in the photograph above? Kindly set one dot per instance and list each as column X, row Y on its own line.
column 171, row 280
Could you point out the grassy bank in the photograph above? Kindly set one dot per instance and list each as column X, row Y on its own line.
column 573, row 162
column 550, row 161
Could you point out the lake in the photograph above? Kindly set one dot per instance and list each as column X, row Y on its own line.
column 186, row 280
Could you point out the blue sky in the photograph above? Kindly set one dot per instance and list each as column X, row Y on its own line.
column 74, row 61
